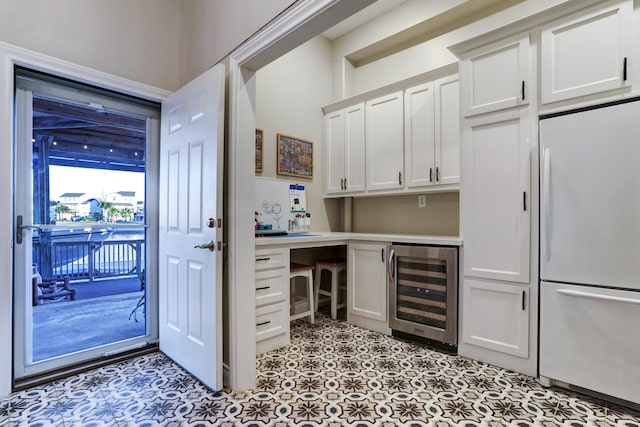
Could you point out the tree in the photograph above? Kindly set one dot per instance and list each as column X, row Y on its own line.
column 61, row 210
column 126, row 213
column 112, row 213
column 106, row 207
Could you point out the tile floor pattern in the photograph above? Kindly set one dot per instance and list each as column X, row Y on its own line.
column 332, row 374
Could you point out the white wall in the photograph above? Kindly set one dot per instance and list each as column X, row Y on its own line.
column 211, row 29
column 137, row 40
column 289, row 94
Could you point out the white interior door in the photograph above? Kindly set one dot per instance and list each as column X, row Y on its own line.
column 190, row 277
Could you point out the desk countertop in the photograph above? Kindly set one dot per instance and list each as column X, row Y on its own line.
column 317, row 239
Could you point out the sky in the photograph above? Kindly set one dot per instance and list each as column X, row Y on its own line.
column 94, row 182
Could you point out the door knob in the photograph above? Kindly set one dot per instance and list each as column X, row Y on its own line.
column 211, row 246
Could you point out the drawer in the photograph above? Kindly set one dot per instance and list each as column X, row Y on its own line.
column 271, row 286
column 272, row 320
column 271, row 258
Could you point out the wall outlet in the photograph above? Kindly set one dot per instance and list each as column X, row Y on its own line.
column 422, row 201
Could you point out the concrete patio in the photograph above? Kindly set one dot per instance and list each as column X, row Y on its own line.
column 101, row 314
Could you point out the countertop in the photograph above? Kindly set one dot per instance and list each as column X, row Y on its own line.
column 318, row 239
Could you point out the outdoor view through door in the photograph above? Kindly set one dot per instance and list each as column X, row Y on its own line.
column 81, row 226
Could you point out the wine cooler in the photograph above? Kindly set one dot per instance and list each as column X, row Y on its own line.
column 423, row 294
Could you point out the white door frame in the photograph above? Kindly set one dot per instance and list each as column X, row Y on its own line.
column 305, row 20
column 9, row 57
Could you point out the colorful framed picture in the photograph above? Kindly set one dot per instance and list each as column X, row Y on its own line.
column 259, row 149
column 295, row 156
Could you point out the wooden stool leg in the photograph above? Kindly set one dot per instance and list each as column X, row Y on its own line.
column 310, row 295
column 334, row 294
column 316, row 287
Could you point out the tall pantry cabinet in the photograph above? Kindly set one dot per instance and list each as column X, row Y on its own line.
column 495, row 203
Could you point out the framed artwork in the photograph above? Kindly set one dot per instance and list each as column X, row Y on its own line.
column 295, row 156
column 259, row 149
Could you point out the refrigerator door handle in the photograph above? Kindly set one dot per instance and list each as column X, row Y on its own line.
column 546, row 190
column 597, row 296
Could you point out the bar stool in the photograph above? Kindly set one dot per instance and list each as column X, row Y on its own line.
column 335, row 267
column 306, row 271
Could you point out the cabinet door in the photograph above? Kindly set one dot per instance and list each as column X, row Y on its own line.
column 334, row 152
column 496, row 316
column 354, row 172
column 495, row 197
column 384, row 142
column 587, row 54
column 447, row 130
column 496, row 78
column 419, row 135
column 367, row 283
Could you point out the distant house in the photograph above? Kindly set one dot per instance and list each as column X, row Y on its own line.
column 123, row 199
column 74, row 201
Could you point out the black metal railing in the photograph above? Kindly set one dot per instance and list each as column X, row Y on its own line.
column 92, row 260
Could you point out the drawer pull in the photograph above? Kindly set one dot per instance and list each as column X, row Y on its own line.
column 262, row 288
column 262, row 259
column 264, row 323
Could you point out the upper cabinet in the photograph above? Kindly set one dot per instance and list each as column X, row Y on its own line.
column 344, row 144
column 404, row 138
column 384, row 142
column 432, row 133
column 497, row 77
column 447, row 121
column 587, row 54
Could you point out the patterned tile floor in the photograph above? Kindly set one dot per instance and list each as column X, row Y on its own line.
column 332, row 374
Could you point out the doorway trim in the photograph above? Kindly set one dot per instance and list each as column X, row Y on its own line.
column 298, row 24
column 10, row 56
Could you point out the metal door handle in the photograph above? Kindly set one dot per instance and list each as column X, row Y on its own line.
column 390, row 269
column 20, row 226
column 211, row 246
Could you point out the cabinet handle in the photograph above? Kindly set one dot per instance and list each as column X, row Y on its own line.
column 430, row 174
column 437, row 174
column 523, row 90
column 400, row 178
column 262, row 259
column 345, row 183
column 262, row 288
column 523, row 300
column 524, row 200
column 382, row 254
column 624, row 69
column 263, row 323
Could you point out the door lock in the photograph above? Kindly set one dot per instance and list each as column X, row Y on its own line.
column 211, row 246
column 211, row 223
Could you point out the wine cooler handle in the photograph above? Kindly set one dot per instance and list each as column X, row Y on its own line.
column 391, row 267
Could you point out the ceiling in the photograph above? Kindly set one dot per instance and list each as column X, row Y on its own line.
column 83, row 136
column 365, row 15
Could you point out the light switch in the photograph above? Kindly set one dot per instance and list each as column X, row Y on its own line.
column 422, row 201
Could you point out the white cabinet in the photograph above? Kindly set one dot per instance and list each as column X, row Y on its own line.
column 495, row 206
column 432, row 133
column 367, row 286
column 384, row 142
column 587, row 54
column 495, row 197
column 345, row 148
column 496, row 77
column 496, row 316
column 272, row 299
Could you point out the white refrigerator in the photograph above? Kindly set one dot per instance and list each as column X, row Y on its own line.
column 590, row 250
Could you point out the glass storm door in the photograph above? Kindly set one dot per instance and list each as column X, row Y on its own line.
column 84, row 272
